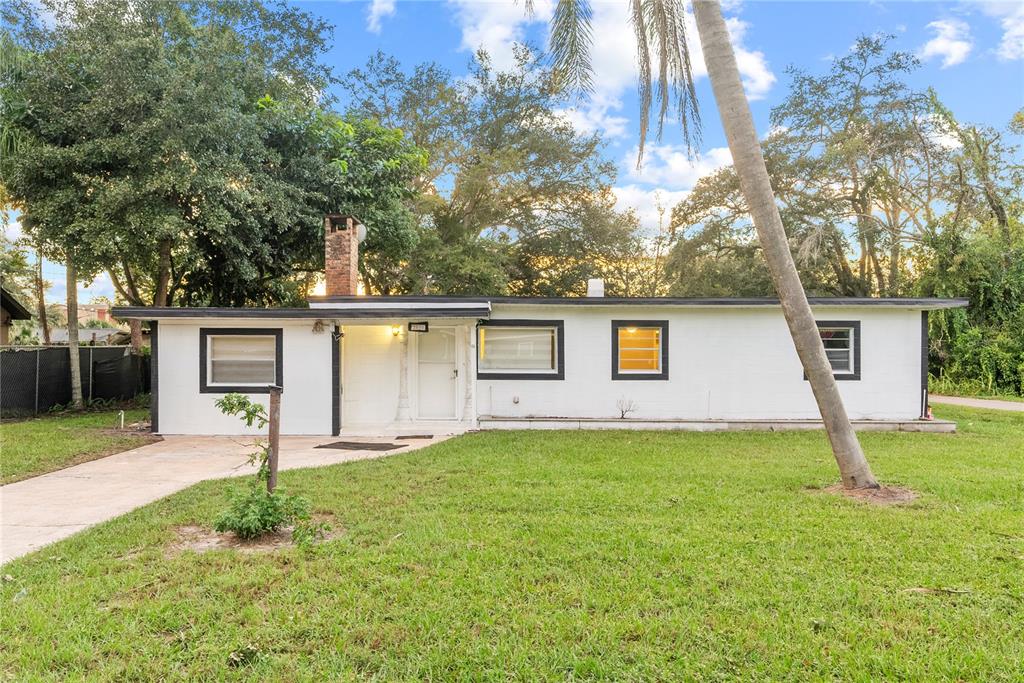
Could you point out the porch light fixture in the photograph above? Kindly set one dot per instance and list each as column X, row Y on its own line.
column 396, row 330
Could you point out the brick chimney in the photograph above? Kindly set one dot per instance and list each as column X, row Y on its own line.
column 342, row 235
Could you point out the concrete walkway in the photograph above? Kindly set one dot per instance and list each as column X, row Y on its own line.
column 990, row 403
column 45, row 509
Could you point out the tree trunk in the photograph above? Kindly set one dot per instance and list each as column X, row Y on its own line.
column 41, row 300
column 76, row 370
column 136, row 330
column 274, row 446
column 163, row 277
column 756, row 186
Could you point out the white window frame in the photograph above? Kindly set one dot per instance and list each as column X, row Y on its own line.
column 853, row 327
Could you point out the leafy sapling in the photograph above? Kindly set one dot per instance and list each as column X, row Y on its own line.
column 262, row 509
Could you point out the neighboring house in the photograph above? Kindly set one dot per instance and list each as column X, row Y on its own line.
column 10, row 309
column 88, row 335
column 426, row 364
column 87, row 312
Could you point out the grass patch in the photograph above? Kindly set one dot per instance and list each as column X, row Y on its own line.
column 39, row 445
column 564, row 555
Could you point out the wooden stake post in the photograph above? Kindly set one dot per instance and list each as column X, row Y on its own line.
column 275, row 436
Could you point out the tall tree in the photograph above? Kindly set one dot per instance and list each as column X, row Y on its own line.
column 509, row 183
column 185, row 148
column 661, row 39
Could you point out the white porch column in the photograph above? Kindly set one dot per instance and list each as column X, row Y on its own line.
column 403, row 414
column 468, row 413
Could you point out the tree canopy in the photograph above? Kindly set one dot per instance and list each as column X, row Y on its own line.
column 185, row 149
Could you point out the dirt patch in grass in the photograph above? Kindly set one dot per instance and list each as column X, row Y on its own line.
column 202, row 539
column 884, row 495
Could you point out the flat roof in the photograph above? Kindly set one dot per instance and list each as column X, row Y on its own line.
column 470, row 310
column 682, row 302
column 355, row 307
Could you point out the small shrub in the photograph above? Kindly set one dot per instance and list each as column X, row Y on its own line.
column 256, row 511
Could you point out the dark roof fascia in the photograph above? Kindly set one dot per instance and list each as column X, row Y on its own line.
column 169, row 313
column 925, row 302
column 13, row 306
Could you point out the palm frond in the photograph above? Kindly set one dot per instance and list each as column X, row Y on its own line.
column 571, row 40
column 643, row 62
column 661, row 24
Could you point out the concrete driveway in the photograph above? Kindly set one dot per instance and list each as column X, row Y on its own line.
column 989, row 403
column 42, row 510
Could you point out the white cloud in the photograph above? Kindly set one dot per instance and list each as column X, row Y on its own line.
column 952, row 42
column 1011, row 18
column 670, row 165
column 595, row 116
column 13, row 230
column 497, row 24
column 376, row 12
column 645, row 202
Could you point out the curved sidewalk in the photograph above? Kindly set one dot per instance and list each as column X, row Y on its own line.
column 989, row 403
column 45, row 509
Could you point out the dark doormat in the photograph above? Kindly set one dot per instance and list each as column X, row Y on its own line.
column 361, row 446
column 414, row 436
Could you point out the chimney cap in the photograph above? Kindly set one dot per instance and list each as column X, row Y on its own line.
column 340, row 221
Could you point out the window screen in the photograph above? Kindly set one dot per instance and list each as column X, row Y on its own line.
column 518, row 349
column 238, row 359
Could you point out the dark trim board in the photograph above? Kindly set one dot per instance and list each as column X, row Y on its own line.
column 276, row 332
column 336, row 381
column 154, row 377
column 628, row 376
column 559, row 326
column 14, row 307
column 855, row 325
column 924, row 363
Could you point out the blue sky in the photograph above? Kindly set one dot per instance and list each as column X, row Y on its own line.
column 972, row 53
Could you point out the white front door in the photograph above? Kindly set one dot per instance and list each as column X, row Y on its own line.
column 437, row 379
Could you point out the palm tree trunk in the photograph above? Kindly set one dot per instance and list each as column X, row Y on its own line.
column 757, row 190
column 76, row 370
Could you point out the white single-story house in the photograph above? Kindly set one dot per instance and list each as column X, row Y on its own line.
column 352, row 364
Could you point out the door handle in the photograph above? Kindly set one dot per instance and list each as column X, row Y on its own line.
column 455, row 373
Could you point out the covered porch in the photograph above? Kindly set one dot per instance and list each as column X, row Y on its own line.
column 408, row 372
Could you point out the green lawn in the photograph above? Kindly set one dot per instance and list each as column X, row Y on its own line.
column 45, row 444
column 565, row 555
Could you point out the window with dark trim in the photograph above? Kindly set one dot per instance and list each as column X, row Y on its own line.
column 520, row 349
column 841, row 339
column 244, row 360
column 639, row 349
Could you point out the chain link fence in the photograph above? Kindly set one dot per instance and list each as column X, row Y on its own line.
column 35, row 379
